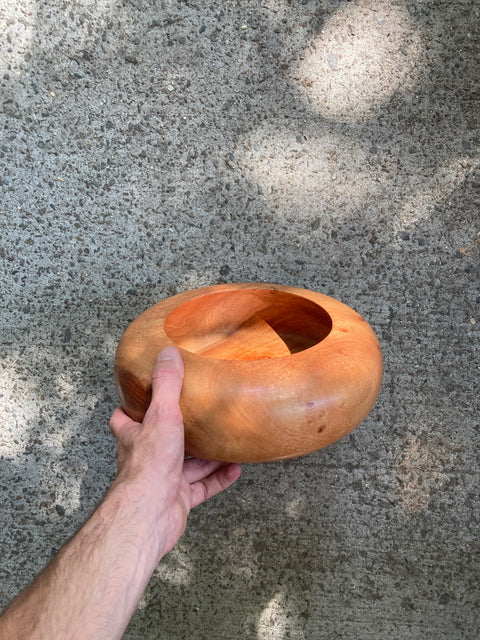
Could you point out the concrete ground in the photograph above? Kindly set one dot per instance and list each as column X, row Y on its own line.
column 153, row 146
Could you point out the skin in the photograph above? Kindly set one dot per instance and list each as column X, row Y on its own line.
column 92, row 587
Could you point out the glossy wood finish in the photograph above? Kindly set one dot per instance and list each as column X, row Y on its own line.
column 271, row 372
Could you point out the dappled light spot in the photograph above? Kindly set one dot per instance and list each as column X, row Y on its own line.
column 421, row 472
column 17, row 25
column 176, row 569
column 431, row 190
column 294, row 508
column 362, row 56
column 21, row 396
column 18, row 408
column 272, row 623
column 331, row 171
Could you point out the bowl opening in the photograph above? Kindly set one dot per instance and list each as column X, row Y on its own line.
column 248, row 324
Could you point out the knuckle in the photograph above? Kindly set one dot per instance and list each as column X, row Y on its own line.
column 166, row 414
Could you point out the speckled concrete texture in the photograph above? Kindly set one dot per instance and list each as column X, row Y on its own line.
column 149, row 147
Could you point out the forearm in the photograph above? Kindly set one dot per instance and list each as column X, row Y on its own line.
column 91, row 589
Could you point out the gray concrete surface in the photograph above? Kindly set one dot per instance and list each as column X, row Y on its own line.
column 149, row 147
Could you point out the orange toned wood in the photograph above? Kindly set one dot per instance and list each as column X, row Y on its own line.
column 253, row 340
column 271, row 372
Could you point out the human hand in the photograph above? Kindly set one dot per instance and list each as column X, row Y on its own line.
column 91, row 588
column 151, row 462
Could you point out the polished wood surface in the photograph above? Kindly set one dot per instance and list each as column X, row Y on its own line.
column 271, row 372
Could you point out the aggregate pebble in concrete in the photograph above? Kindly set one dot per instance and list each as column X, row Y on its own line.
column 147, row 148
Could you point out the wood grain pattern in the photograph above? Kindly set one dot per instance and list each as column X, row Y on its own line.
column 271, row 372
column 254, row 339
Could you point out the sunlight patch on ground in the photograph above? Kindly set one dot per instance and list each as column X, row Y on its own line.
column 419, row 473
column 18, row 408
column 175, row 569
column 433, row 190
column 362, row 56
column 17, row 25
column 22, row 24
column 20, row 400
column 272, row 623
column 330, row 171
column 294, row 508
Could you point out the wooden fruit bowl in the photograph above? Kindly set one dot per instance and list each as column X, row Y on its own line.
column 271, row 372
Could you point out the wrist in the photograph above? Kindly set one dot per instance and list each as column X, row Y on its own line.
column 139, row 517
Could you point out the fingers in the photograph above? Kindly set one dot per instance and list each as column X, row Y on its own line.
column 195, row 469
column 167, row 379
column 120, row 421
column 215, row 483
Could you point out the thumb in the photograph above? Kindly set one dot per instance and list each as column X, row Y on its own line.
column 167, row 379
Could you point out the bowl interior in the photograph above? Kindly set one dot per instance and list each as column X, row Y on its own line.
column 248, row 324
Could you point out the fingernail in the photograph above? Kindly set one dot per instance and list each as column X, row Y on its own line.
column 169, row 353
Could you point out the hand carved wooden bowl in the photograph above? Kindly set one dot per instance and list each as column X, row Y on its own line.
column 271, row 372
